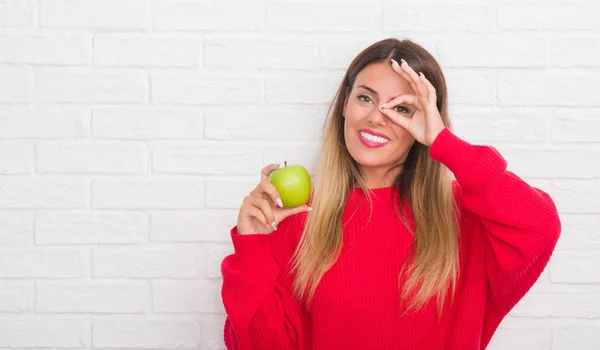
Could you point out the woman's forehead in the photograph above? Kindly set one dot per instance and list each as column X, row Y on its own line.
column 383, row 79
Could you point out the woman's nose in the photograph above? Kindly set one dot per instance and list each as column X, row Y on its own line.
column 377, row 117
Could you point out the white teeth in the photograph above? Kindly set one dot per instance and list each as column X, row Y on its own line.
column 373, row 138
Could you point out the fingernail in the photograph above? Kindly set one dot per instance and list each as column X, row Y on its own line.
column 421, row 74
column 279, row 202
column 309, row 209
column 268, row 227
column 403, row 61
column 394, row 62
column 274, row 225
column 382, row 106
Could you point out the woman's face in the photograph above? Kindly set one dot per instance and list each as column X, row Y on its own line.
column 373, row 140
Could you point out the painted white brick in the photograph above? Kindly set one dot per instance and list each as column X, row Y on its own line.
column 45, row 49
column 202, row 296
column 494, row 50
column 577, row 196
column 559, row 89
column 201, row 89
column 228, row 193
column 303, row 154
column 92, row 297
column 576, row 334
column 262, row 54
column 40, row 263
column 322, row 17
column 209, row 15
column 16, row 297
column 43, row 122
column 147, row 123
column 530, row 163
column 580, row 233
column 196, row 96
column 440, row 17
column 131, row 50
column 135, row 333
column 544, row 16
column 575, row 125
column 92, row 85
column 554, row 300
column 312, row 2
column 44, row 333
column 182, row 261
column 16, row 13
column 148, row 193
column 510, row 125
column 215, row 253
column 204, row 158
column 16, row 85
column 16, row 157
column 575, row 267
column 521, row 334
column 92, row 157
column 194, row 226
column 76, row 227
column 212, row 331
column 576, row 52
column 338, row 52
column 29, row 192
column 470, row 87
column 107, row 14
column 16, row 228
column 266, row 123
column 313, row 89
column 554, row 2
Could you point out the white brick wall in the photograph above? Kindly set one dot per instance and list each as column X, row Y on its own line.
column 130, row 130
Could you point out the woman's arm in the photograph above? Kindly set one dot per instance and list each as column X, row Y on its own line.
column 261, row 310
column 521, row 221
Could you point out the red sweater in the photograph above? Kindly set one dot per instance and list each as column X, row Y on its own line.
column 508, row 231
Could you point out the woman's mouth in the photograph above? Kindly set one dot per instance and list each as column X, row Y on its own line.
column 371, row 140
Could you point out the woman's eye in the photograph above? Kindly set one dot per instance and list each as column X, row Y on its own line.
column 401, row 109
column 364, row 98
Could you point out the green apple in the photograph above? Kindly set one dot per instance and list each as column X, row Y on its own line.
column 292, row 183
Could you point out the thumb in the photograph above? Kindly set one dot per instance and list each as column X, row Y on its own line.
column 397, row 118
column 284, row 213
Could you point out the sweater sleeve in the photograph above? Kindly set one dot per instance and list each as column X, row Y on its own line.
column 521, row 222
column 256, row 293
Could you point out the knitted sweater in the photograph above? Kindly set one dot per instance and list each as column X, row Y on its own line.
column 508, row 231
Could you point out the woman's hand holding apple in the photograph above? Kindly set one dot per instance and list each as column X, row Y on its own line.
column 262, row 209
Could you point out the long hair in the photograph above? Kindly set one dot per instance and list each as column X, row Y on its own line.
column 424, row 184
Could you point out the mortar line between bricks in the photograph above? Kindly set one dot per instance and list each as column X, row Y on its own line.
column 36, row 14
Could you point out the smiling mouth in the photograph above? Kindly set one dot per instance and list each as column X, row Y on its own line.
column 373, row 138
column 372, row 141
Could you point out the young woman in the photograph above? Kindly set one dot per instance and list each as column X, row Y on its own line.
column 390, row 252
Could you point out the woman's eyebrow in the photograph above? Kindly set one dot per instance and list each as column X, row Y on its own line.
column 368, row 88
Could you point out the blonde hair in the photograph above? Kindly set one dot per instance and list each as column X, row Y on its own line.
column 432, row 267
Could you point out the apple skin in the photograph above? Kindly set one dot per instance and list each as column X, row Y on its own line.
column 293, row 184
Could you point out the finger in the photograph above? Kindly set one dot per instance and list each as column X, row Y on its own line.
column 254, row 212
column 432, row 95
column 397, row 118
column 267, row 188
column 264, row 174
column 421, row 89
column 264, row 206
column 284, row 213
column 404, row 98
column 396, row 67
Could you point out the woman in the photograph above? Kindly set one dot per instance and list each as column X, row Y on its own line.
column 392, row 253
